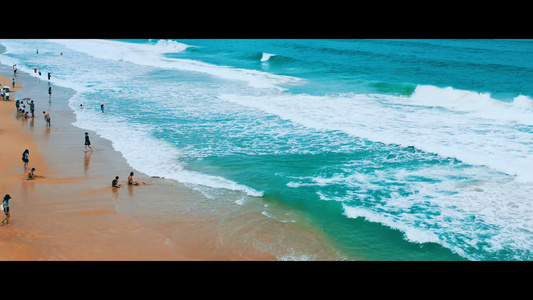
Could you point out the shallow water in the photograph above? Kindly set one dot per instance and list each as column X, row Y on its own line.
column 392, row 149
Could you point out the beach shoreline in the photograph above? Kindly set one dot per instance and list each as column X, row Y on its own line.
column 72, row 213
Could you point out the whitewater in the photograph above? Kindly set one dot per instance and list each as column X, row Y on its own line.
column 442, row 164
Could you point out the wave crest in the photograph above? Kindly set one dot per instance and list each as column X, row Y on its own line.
column 266, row 56
column 482, row 104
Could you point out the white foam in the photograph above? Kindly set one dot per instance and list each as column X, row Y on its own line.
column 411, row 234
column 480, row 138
column 139, row 53
column 266, row 56
column 478, row 104
column 523, row 102
column 472, row 127
column 149, row 155
column 277, row 218
column 153, row 55
column 471, row 210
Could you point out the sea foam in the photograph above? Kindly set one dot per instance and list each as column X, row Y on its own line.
column 153, row 55
column 479, row 104
column 266, row 56
column 469, row 132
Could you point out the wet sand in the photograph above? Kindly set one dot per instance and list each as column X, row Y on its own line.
column 74, row 214
column 71, row 214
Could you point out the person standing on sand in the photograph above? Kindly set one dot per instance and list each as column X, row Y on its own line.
column 26, row 159
column 47, row 118
column 6, row 208
column 87, row 142
column 13, row 82
column 32, row 109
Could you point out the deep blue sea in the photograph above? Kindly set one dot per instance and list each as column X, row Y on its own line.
column 394, row 149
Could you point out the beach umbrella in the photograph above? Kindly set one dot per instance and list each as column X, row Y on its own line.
column 6, row 87
column 18, row 99
column 27, row 99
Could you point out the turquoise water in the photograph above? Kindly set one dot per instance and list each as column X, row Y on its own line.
column 395, row 149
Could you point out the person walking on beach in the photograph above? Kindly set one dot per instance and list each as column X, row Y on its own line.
column 32, row 109
column 5, row 203
column 26, row 159
column 87, row 142
column 47, row 118
column 13, row 82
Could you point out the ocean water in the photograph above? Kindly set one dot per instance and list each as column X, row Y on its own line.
column 394, row 149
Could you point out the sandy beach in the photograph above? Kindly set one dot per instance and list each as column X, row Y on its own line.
column 72, row 213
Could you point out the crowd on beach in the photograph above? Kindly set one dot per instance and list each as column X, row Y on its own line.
column 24, row 111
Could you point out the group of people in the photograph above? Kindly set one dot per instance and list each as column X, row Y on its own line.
column 35, row 68
column 31, row 175
column 26, row 159
column 131, row 181
column 4, row 93
column 21, row 108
